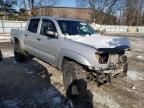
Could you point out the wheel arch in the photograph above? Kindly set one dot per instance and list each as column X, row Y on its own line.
column 72, row 56
column 17, row 40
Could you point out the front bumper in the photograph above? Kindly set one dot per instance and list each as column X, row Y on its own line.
column 113, row 72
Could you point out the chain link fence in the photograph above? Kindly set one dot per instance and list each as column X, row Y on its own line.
column 6, row 26
column 118, row 28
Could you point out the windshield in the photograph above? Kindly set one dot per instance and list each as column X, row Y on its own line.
column 75, row 28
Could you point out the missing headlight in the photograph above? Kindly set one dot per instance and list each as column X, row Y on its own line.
column 102, row 57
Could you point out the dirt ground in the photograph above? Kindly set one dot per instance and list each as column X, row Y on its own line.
column 35, row 84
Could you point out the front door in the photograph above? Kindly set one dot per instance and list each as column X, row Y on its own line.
column 47, row 44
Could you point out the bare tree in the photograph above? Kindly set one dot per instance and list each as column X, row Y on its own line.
column 133, row 12
column 101, row 8
column 31, row 6
column 7, row 7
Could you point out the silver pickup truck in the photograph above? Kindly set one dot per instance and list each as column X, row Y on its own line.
column 73, row 47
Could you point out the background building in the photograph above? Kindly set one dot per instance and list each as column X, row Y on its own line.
column 70, row 12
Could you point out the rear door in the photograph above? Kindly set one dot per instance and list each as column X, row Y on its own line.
column 30, row 36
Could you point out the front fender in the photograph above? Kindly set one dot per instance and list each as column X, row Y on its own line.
column 72, row 55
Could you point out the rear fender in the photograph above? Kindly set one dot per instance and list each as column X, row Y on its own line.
column 21, row 43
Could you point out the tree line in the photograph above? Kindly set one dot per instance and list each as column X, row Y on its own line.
column 126, row 12
column 23, row 9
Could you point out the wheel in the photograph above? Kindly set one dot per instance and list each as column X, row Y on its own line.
column 73, row 73
column 19, row 57
column 1, row 56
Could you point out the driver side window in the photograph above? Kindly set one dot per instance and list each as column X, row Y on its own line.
column 47, row 25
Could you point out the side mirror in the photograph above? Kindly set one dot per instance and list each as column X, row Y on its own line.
column 51, row 34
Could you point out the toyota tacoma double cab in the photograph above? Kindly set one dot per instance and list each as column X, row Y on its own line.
column 73, row 47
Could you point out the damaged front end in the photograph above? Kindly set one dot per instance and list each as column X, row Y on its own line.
column 116, row 62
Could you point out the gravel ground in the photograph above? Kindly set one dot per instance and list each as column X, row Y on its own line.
column 35, row 84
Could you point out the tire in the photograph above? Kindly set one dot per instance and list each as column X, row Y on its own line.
column 73, row 73
column 19, row 57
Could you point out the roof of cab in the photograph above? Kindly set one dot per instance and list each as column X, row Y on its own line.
column 56, row 18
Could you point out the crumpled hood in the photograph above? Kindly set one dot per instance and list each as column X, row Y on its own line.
column 99, row 41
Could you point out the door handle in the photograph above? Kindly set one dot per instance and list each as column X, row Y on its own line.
column 25, row 35
column 38, row 39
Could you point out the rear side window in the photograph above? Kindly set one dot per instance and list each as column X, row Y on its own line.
column 33, row 25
